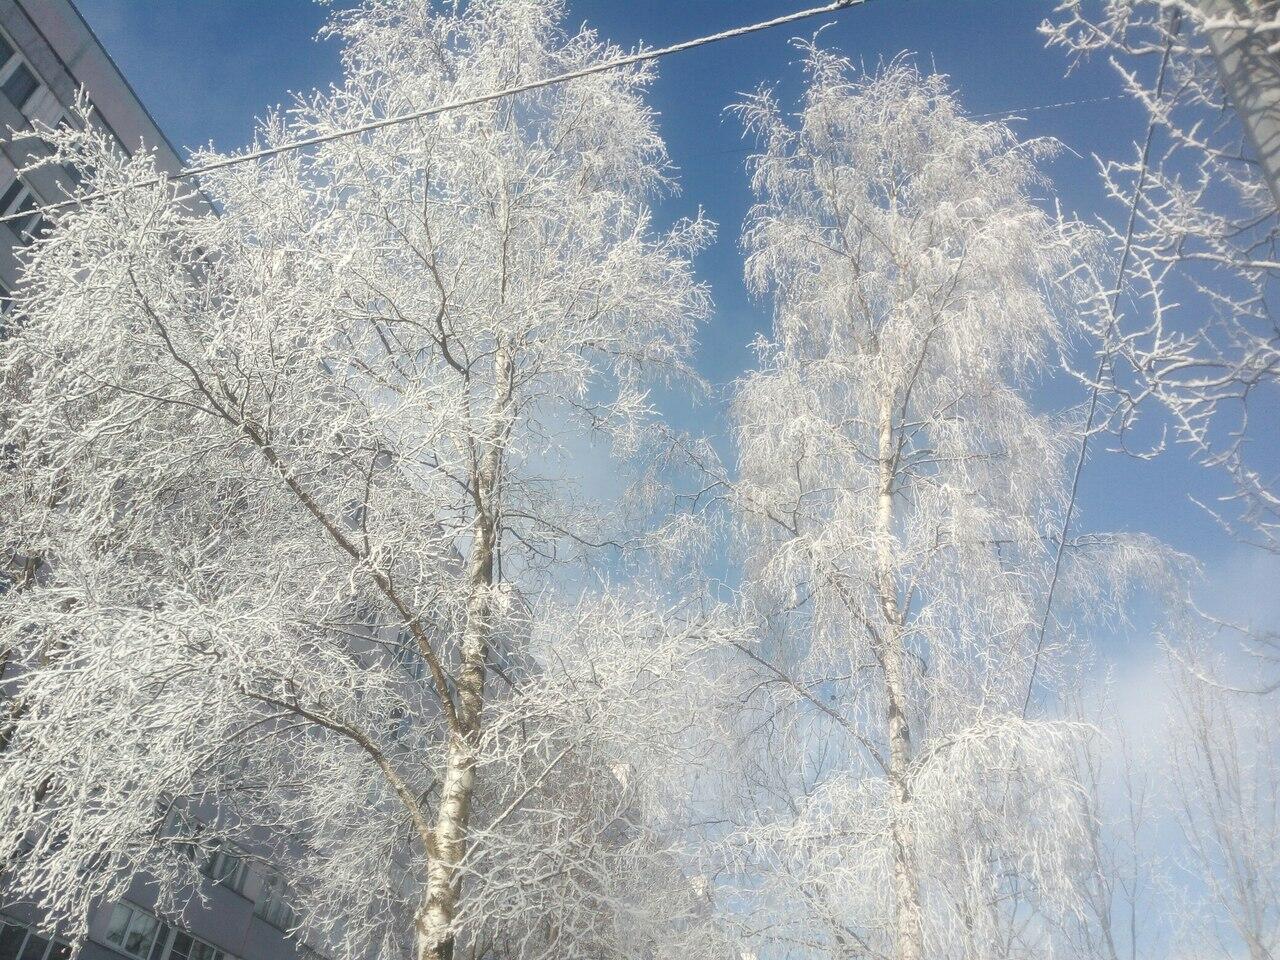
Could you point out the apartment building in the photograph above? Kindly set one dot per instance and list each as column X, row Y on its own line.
column 48, row 54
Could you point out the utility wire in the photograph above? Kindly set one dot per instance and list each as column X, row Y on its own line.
column 1175, row 21
column 1045, row 106
column 974, row 116
column 642, row 57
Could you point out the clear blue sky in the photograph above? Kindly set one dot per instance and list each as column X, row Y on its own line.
column 206, row 68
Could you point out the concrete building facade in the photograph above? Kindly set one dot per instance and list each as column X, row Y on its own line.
column 48, row 55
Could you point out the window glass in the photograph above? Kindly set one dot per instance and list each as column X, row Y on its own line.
column 181, row 948
column 217, row 862
column 35, row 948
column 36, row 228
column 23, row 228
column 272, row 905
column 6, row 50
column 409, row 654
column 227, row 869
column 162, row 937
column 266, row 894
column 132, row 931
column 10, row 196
column 11, row 938
column 28, row 202
column 119, row 923
column 187, row 947
column 182, row 827
column 22, row 83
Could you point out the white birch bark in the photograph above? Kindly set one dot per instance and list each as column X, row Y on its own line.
column 895, row 507
column 315, row 560
column 906, row 878
column 448, row 844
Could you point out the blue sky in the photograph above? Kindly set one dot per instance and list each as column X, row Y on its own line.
column 206, row 68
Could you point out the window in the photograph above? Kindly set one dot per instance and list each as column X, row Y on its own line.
column 19, row 81
column 225, row 868
column 73, row 173
column 187, row 947
column 20, row 85
column 216, row 860
column 136, row 932
column 11, row 938
column 183, row 830
column 409, row 654
column 6, row 306
column 20, row 942
column 19, row 199
column 154, row 940
column 273, row 905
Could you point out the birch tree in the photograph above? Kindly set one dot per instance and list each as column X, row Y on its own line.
column 1196, row 334
column 898, row 503
column 1224, row 777
column 311, row 549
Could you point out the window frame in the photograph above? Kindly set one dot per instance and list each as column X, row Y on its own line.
column 10, row 65
column 159, row 934
column 272, row 905
column 33, row 79
column 73, row 173
column 233, row 879
column 167, row 934
column 7, row 922
column 207, row 857
column 26, row 230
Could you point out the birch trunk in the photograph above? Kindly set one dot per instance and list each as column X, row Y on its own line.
column 448, row 842
column 906, row 883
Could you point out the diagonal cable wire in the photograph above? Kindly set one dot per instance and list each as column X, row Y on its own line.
column 642, row 56
column 1011, row 113
column 1032, row 108
column 1174, row 23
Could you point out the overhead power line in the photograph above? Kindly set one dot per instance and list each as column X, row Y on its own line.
column 1046, row 106
column 643, row 56
column 1010, row 113
column 1095, row 389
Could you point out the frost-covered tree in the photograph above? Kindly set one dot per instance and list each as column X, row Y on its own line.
column 293, row 482
column 1224, row 791
column 1195, row 332
column 899, row 500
